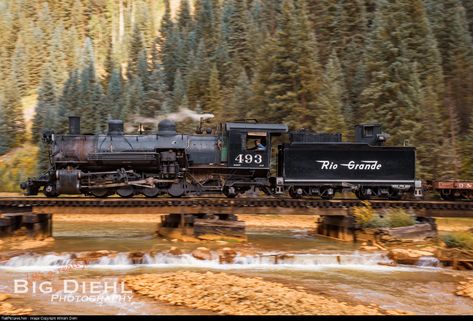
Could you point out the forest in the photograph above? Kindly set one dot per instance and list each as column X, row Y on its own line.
column 323, row 65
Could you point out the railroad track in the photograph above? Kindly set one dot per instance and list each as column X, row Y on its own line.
column 17, row 202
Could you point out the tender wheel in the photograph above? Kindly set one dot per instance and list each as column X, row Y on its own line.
column 394, row 194
column 100, row 192
column 362, row 194
column 127, row 191
column 150, row 192
column 447, row 195
column 327, row 194
column 295, row 192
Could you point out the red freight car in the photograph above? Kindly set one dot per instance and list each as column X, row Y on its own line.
column 454, row 190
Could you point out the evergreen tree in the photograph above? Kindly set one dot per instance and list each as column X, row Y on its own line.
column 68, row 102
column 114, row 93
column 179, row 91
column 330, row 100
column 214, row 100
column 392, row 95
column 184, row 19
column 45, row 112
column 136, row 47
column 13, row 111
column 206, row 24
column 4, row 146
column 240, row 100
column 294, row 82
column 157, row 94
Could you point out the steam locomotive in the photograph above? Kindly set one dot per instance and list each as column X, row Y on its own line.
column 233, row 159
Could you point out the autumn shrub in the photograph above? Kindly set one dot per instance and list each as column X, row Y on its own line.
column 463, row 240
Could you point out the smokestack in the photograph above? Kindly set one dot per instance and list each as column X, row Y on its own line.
column 74, row 125
column 115, row 127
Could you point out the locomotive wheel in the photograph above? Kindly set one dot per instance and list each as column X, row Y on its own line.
column 100, row 192
column 50, row 191
column 230, row 192
column 150, row 192
column 127, row 191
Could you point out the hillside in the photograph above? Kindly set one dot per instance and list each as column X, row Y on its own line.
column 322, row 65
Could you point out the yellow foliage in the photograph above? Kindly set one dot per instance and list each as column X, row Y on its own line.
column 16, row 166
column 363, row 214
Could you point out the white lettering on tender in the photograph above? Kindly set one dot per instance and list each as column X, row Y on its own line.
column 351, row 165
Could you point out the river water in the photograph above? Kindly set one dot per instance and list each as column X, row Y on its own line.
column 322, row 266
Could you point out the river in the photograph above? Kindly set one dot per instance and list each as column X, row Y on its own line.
column 320, row 265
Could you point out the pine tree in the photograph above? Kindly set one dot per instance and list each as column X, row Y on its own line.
column 179, row 91
column 214, row 100
column 392, row 95
column 134, row 98
column 157, row 94
column 238, row 37
column 467, row 150
column 184, row 18
column 330, row 100
column 206, row 24
column 198, row 76
column 46, row 107
column 240, row 100
column 293, row 82
column 114, row 93
column 68, row 102
column 136, row 47
column 13, row 110
column 4, row 146
column 456, row 46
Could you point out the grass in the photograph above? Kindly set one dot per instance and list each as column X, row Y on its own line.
column 463, row 240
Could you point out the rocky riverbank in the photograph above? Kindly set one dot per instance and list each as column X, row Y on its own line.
column 465, row 289
column 234, row 295
column 7, row 308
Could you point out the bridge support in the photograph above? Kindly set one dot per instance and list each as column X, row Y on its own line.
column 202, row 226
column 36, row 225
column 338, row 227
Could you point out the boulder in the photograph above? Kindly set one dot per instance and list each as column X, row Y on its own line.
column 175, row 251
column 227, row 255
column 136, row 257
column 408, row 256
column 202, row 253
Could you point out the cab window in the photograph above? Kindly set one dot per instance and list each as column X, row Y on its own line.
column 256, row 141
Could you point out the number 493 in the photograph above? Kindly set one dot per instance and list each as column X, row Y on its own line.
column 249, row 159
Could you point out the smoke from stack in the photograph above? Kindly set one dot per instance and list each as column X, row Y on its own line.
column 181, row 115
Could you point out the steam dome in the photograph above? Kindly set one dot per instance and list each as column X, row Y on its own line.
column 167, row 127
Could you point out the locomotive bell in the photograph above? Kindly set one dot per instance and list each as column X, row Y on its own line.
column 167, row 127
column 115, row 127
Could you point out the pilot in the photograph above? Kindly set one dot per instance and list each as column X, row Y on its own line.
column 259, row 146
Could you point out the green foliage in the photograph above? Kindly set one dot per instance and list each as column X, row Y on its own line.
column 463, row 240
column 407, row 64
column 366, row 217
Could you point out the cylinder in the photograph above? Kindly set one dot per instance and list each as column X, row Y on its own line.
column 74, row 125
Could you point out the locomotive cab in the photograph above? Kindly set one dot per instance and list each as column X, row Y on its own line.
column 248, row 145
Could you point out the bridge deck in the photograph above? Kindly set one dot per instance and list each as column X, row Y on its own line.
column 115, row 205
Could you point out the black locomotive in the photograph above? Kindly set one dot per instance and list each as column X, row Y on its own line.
column 232, row 160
